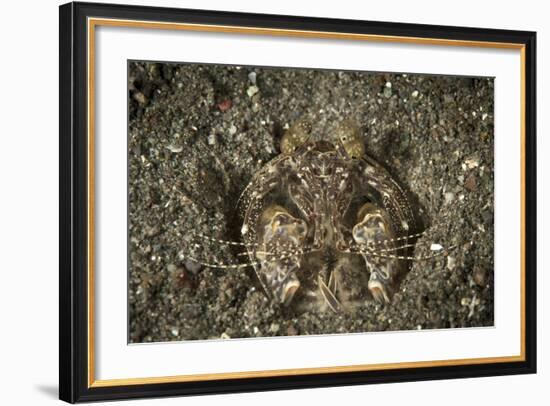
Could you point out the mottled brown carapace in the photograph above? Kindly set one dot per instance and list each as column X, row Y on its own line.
column 325, row 225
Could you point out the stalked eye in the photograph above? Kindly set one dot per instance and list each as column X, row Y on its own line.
column 350, row 140
column 295, row 136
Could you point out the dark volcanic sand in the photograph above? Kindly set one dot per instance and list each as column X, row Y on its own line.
column 199, row 133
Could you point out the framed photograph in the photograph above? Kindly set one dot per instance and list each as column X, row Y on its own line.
column 256, row 202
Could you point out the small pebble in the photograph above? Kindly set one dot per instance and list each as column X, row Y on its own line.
column 252, row 77
column 174, row 148
column 224, row 105
column 140, row 98
column 252, row 90
column 192, row 266
column 480, row 276
column 447, row 98
column 152, row 231
column 472, row 162
column 470, row 183
column 451, row 263
column 475, row 302
column 415, row 93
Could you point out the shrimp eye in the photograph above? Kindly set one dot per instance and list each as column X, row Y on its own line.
column 295, row 136
column 350, row 140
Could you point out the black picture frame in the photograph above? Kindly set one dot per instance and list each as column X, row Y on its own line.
column 74, row 384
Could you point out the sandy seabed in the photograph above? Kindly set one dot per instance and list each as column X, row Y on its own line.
column 199, row 133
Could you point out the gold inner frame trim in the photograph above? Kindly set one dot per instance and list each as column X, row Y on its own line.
column 94, row 22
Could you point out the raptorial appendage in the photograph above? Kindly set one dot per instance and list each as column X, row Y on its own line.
column 374, row 229
column 281, row 238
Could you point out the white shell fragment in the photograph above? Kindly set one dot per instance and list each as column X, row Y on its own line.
column 471, row 163
column 175, row 148
column 252, row 77
column 252, row 90
column 436, row 247
column 451, row 263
